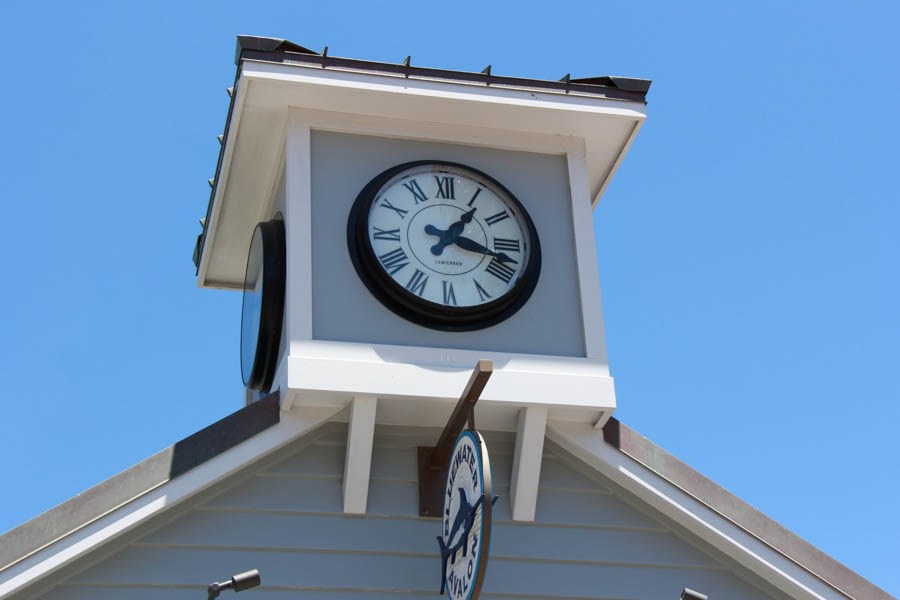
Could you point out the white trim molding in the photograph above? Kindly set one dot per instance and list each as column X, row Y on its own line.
column 588, row 445
column 388, row 105
column 155, row 501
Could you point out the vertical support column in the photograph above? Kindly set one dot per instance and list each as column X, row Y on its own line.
column 526, row 471
column 358, row 460
column 586, row 251
column 298, row 230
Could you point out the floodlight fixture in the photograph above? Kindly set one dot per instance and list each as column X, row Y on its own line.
column 238, row 583
column 689, row 594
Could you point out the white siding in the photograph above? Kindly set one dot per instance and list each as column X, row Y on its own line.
column 287, row 521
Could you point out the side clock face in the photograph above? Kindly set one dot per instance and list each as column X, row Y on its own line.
column 262, row 310
column 444, row 245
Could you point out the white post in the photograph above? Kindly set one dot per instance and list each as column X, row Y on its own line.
column 297, row 224
column 526, row 472
column 358, row 460
column 585, row 250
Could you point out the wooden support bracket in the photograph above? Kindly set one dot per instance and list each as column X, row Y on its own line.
column 526, row 471
column 433, row 462
column 358, row 458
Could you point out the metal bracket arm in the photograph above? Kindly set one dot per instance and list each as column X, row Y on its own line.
column 433, row 462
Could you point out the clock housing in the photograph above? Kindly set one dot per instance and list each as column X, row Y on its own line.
column 304, row 140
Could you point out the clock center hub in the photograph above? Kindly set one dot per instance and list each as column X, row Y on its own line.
column 434, row 246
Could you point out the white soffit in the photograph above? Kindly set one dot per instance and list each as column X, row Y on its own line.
column 521, row 119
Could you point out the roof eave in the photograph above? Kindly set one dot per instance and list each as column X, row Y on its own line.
column 277, row 50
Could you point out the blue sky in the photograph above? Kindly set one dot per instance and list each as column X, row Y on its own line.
column 748, row 246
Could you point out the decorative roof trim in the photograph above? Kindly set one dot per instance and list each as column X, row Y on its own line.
column 791, row 546
column 98, row 528
column 194, row 450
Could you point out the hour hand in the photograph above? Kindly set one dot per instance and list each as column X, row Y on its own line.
column 473, row 246
column 457, row 228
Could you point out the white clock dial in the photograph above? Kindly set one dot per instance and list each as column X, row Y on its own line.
column 444, row 245
column 448, row 236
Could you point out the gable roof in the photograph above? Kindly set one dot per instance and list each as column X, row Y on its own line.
column 791, row 546
column 19, row 543
column 81, row 526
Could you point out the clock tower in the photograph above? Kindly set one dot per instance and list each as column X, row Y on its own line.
column 389, row 225
column 422, row 347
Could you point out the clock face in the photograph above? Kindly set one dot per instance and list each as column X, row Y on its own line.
column 262, row 309
column 444, row 245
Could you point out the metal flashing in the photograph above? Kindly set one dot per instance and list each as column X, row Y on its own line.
column 266, row 44
column 619, row 88
column 226, row 433
column 715, row 497
column 623, row 83
column 70, row 516
column 201, row 239
column 277, row 50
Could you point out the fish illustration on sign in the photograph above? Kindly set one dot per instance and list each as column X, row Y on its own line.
column 463, row 523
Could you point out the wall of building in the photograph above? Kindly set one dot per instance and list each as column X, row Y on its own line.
column 286, row 520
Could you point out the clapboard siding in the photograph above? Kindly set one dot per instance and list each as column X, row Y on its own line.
column 81, row 592
column 402, row 572
column 231, row 529
column 400, row 498
column 287, row 520
column 392, row 459
column 318, row 459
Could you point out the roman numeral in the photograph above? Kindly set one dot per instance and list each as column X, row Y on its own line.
column 449, row 296
column 394, row 260
column 416, row 283
column 493, row 219
column 445, row 187
column 505, row 245
column 391, row 235
column 418, row 194
column 386, row 204
column 482, row 293
column 500, row 270
column 475, row 195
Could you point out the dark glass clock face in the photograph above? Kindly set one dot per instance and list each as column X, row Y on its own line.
column 263, row 305
column 251, row 309
column 444, row 245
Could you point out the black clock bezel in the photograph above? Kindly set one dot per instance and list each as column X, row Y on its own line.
column 268, row 338
column 410, row 306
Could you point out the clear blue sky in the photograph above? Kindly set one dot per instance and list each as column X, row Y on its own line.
column 748, row 246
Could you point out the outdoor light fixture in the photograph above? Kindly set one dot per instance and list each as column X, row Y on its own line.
column 238, row 583
column 689, row 594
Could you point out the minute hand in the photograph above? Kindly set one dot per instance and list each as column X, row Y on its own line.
column 473, row 246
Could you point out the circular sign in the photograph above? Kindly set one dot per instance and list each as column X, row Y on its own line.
column 466, row 522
